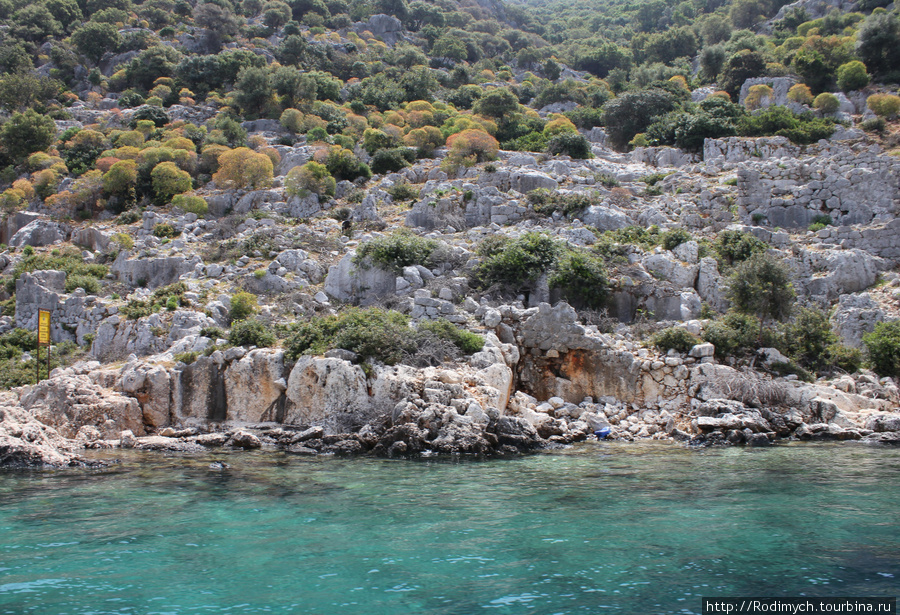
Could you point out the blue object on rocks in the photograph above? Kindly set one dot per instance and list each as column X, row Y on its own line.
column 602, row 433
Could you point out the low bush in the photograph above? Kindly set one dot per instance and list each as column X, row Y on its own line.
column 733, row 247
column 570, row 205
column 165, row 231
column 396, row 251
column 516, row 264
column 90, row 284
column 810, row 342
column 191, row 204
column 675, row 338
column 371, row 333
column 392, row 160
column 466, row 341
column 581, row 279
column 402, row 191
column 570, row 144
column 674, row 238
column 883, row 348
column 311, row 177
column 243, row 305
column 251, row 332
column 737, row 335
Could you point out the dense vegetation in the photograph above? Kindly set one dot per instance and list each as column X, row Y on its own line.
column 462, row 75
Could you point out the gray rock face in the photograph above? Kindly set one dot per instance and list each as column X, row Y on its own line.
column 855, row 316
column 71, row 316
column 779, row 85
column 526, row 181
column 25, row 442
column 605, row 218
column 39, row 233
column 852, row 185
column 264, row 126
column 830, row 273
column 662, row 157
column 69, row 402
column 329, row 393
column 739, row 149
column 117, row 338
column 255, row 386
column 91, row 238
column 389, row 29
column 349, row 282
column 152, row 272
column 304, row 207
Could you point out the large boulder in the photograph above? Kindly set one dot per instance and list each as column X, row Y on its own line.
column 25, row 442
column 40, row 233
column 330, row 393
column 152, row 272
column 855, row 316
column 255, row 385
column 69, row 402
column 151, row 386
column 349, row 282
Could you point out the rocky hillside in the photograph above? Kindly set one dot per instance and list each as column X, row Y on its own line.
column 332, row 230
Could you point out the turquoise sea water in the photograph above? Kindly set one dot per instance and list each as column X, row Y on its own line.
column 601, row 528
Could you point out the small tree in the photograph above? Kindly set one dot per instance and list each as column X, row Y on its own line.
column 852, row 76
column 471, row 146
column 884, row 105
column 800, row 94
column 312, row 177
column 883, row 346
column 244, row 168
column 243, row 305
column 826, row 103
column 169, row 180
column 762, row 286
column 95, row 39
column 121, row 177
column 25, row 133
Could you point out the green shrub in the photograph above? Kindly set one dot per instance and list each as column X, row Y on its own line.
column 739, row 335
column 68, row 260
column 675, row 337
column 733, row 247
column 186, row 357
column 343, row 164
column 392, row 160
column 674, row 238
column 136, row 308
column 581, row 278
column 570, row 144
column 251, row 332
column 826, row 103
column 213, row 333
column 883, row 348
column 372, row 333
column 876, row 124
column 571, row 205
column 466, row 341
column 243, row 305
column 311, row 177
column 396, row 251
column 402, row 191
column 884, row 105
column 165, row 230
column 852, row 76
column 517, row 264
column 90, row 284
column 191, row 204
column 762, row 286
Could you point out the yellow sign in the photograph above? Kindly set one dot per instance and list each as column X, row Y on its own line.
column 43, row 326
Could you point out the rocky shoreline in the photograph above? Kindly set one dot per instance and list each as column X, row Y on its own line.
column 329, row 405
